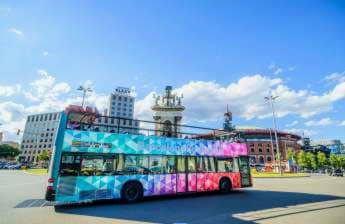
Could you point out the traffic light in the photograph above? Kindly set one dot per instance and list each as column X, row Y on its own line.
column 18, row 132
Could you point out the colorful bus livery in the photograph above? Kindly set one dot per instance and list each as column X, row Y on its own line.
column 140, row 144
column 90, row 165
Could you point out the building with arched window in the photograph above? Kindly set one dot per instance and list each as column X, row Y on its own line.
column 262, row 144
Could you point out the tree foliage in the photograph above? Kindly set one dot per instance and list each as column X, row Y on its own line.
column 321, row 159
column 311, row 161
column 301, row 159
column 8, row 151
column 291, row 155
column 44, row 156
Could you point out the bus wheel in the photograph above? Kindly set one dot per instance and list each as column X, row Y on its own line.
column 225, row 185
column 132, row 192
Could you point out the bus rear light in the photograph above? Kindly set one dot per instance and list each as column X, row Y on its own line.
column 51, row 180
column 50, row 188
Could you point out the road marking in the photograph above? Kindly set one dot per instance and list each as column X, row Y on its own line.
column 264, row 214
column 17, row 185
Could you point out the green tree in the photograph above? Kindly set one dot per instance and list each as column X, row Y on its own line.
column 44, row 156
column 8, row 151
column 301, row 159
column 342, row 161
column 321, row 159
column 291, row 155
column 335, row 161
column 311, row 161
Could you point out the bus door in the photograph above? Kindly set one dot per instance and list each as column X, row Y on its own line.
column 186, row 177
column 244, row 171
column 67, row 181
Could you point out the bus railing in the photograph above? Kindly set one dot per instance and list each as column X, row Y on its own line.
column 124, row 125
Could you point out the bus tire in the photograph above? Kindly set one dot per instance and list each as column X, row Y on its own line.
column 225, row 185
column 132, row 192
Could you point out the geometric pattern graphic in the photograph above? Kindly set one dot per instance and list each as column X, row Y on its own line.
column 109, row 187
column 102, row 142
column 85, row 188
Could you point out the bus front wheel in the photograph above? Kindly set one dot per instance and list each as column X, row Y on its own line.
column 225, row 185
column 132, row 192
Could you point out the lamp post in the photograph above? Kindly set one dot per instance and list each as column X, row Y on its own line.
column 271, row 100
column 85, row 90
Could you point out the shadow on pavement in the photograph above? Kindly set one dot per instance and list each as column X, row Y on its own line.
column 241, row 206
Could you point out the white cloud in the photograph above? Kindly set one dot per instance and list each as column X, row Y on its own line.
column 9, row 90
column 342, row 123
column 17, row 32
column 43, row 84
column 45, row 87
column 336, row 76
column 45, row 53
column 322, row 122
column 301, row 132
column 294, row 123
column 10, row 111
column 278, row 71
column 206, row 101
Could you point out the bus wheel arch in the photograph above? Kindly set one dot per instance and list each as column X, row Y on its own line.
column 225, row 185
column 132, row 191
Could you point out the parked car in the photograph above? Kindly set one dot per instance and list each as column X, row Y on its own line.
column 337, row 173
column 8, row 165
column 16, row 166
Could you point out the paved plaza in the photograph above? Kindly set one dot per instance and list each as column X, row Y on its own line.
column 317, row 199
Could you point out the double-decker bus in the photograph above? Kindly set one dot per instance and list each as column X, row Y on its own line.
column 92, row 160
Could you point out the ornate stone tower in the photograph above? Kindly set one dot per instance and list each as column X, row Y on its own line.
column 168, row 112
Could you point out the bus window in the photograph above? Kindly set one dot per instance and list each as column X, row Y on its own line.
column 211, row 165
column 191, row 166
column 70, row 165
column 143, row 164
column 97, row 165
column 156, row 164
column 225, row 164
column 169, row 164
column 134, row 164
column 200, row 165
column 118, row 164
column 235, row 165
column 181, row 164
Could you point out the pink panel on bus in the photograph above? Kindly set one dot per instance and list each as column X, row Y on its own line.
column 234, row 149
column 181, row 182
column 234, row 177
column 192, row 182
column 212, row 181
column 201, row 182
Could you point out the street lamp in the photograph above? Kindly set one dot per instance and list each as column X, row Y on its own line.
column 271, row 100
column 85, row 90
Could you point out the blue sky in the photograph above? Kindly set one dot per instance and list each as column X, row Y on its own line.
column 215, row 53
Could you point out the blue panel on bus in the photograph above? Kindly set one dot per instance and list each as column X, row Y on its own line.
column 101, row 142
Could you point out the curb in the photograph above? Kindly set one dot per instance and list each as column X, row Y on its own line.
column 280, row 177
column 35, row 174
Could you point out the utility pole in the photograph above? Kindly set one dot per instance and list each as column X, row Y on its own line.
column 85, row 90
column 271, row 100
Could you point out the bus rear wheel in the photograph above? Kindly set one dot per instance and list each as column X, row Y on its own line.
column 132, row 192
column 225, row 185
